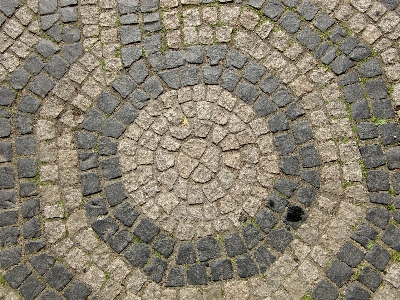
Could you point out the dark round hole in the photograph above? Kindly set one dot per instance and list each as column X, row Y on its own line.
column 294, row 214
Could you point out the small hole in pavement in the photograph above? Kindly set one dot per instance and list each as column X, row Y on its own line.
column 294, row 214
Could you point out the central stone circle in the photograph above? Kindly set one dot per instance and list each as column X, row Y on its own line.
column 199, row 161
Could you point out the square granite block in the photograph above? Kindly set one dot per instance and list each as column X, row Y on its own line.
column 339, row 273
column 5, row 152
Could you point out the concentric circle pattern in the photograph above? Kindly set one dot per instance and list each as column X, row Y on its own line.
column 199, row 149
column 192, row 168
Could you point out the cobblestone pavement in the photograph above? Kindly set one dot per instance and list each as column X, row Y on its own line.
column 199, row 149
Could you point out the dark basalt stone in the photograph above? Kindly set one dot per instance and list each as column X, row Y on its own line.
column 32, row 228
column 378, row 257
column 310, row 39
column 391, row 237
column 355, row 292
column 87, row 161
column 370, row 278
column 138, row 254
column 348, row 45
column 171, row 78
column 264, row 106
column 9, row 236
column 211, row 74
column 8, row 217
column 146, row 230
column 274, row 9
column 378, row 216
column 234, row 245
column 17, row 275
column 264, row 258
column 194, row 55
column 34, row 246
column 285, row 144
column 58, row 276
column 105, row 228
column 186, row 254
column 279, row 239
column 295, row 110
column 176, row 277
column 10, row 257
column 130, row 54
column 95, row 207
column 90, row 183
column 390, row 134
column 229, row 80
column 325, row 291
column 221, row 270
column 291, row 22
column 364, row 235
column 126, row 214
column 216, row 53
column 246, row 266
column 208, row 248
column 308, row 10
column 120, row 240
column 324, row 21
column 164, row 245
column 339, row 272
column 265, row 219
column 50, row 295
column 8, row 200
column 115, row 193
column 107, row 146
column 31, row 287
column 350, row 254
column 197, row 275
column 251, row 235
column 5, row 128
column 276, row 202
column 156, row 269
column 78, row 290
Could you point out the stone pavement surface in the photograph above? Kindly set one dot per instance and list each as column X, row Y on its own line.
column 199, row 149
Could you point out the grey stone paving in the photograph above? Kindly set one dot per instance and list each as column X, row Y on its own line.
column 165, row 149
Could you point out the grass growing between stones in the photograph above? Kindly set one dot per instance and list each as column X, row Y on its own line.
column 395, row 256
column 307, row 297
column 158, row 254
column 371, row 245
column 103, row 64
column 358, row 271
column 346, row 184
column 96, row 149
column 36, row 178
column 135, row 239
column 377, row 121
column 363, row 169
column 391, row 207
column 2, row 280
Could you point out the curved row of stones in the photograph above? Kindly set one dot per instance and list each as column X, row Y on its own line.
column 29, row 84
column 392, row 157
